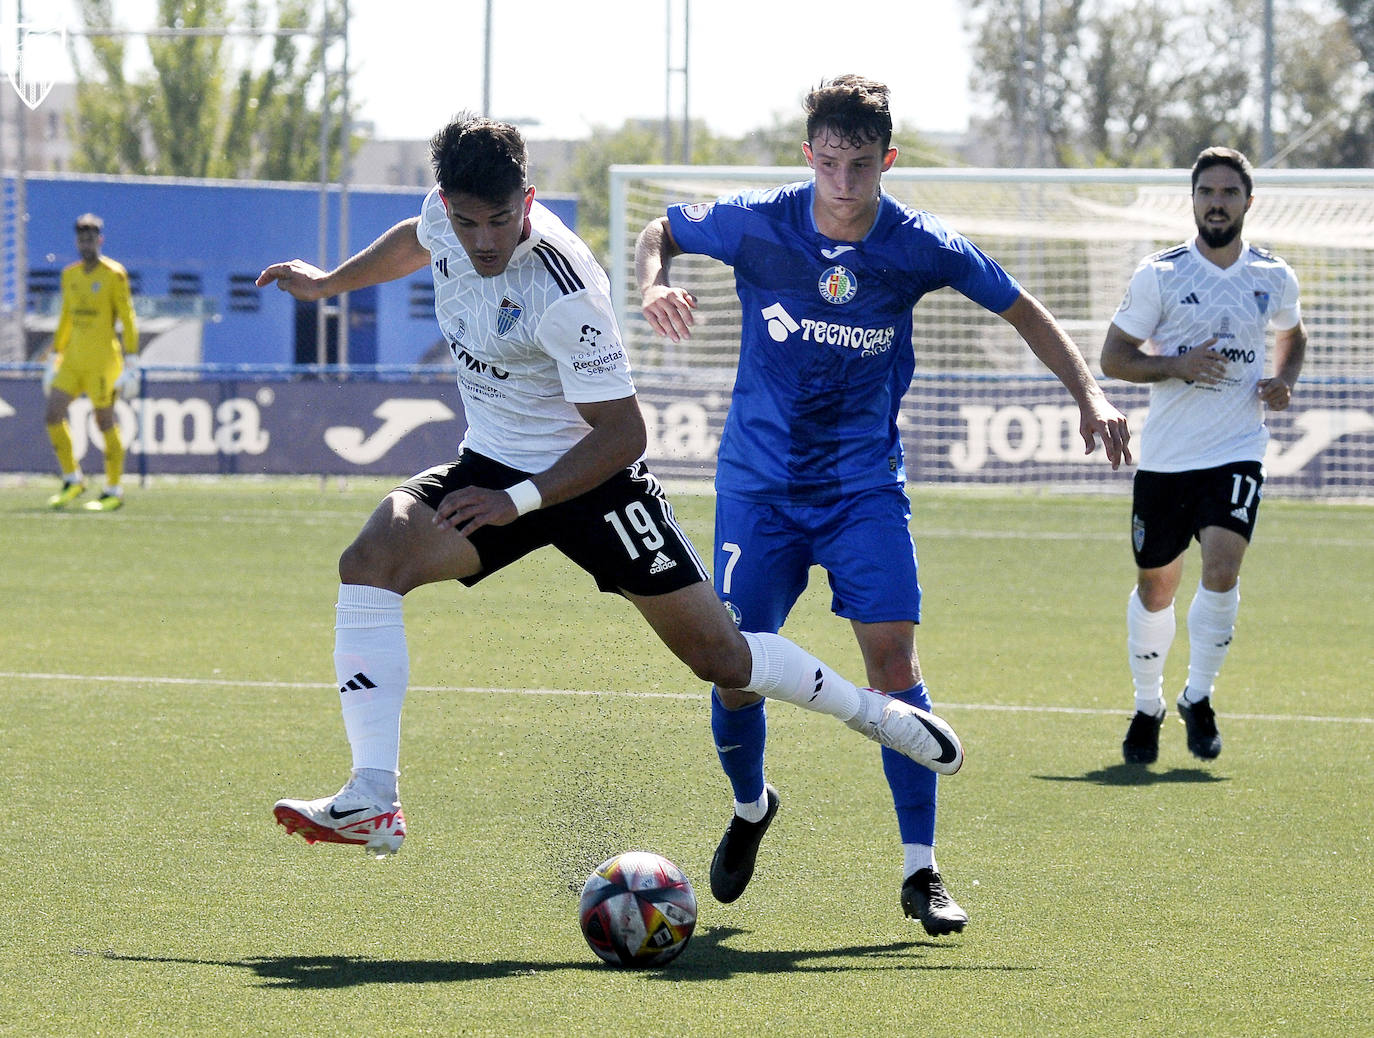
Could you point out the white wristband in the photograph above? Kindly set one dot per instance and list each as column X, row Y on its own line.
column 525, row 496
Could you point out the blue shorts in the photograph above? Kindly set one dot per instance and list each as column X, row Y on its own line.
column 764, row 553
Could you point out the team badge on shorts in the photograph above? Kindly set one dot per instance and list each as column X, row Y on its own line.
column 696, row 212
column 838, row 285
column 1137, row 532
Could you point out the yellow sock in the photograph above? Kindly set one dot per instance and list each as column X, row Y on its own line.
column 61, row 437
column 114, row 456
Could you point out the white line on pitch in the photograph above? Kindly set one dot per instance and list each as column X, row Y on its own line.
column 124, row 679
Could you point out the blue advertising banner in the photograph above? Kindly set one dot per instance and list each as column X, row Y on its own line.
column 973, row 430
column 258, row 426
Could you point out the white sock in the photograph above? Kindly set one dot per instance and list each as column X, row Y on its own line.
column 918, row 856
column 373, row 669
column 1211, row 623
column 753, row 812
column 1148, row 638
column 382, row 783
column 783, row 670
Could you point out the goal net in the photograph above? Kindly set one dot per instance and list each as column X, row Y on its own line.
column 982, row 409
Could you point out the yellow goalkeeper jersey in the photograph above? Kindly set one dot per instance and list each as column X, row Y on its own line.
column 92, row 301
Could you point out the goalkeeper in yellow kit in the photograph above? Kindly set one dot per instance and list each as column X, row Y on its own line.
column 87, row 358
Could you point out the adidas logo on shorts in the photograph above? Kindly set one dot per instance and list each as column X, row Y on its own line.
column 661, row 563
column 1241, row 514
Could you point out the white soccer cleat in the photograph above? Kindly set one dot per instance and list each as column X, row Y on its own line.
column 352, row 815
column 909, row 730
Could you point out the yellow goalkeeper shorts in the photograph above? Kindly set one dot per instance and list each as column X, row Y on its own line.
column 98, row 383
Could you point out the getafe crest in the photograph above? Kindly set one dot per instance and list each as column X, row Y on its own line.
column 838, row 285
column 38, row 58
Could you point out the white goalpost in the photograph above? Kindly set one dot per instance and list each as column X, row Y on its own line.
column 981, row 409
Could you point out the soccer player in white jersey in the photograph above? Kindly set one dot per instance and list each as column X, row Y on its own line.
column 552, row 456
column 810, row 467
column 1192, row 325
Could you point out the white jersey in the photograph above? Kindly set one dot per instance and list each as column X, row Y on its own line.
column 1177, row 300
column 531, row 342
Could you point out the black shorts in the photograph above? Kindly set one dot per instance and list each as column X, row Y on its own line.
column 622, row 532
column 1169, row 509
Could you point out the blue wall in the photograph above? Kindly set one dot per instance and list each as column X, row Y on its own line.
column 176, row 234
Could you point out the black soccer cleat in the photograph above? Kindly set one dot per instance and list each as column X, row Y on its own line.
column 1141, row 745
column 924, row 897
column 732, row 866
column 1200, row 721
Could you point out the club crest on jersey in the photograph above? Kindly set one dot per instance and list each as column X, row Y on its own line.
column 509, row 313
column 696, row 212
column 838, row 285
column 455, row 343
column 1262, row 301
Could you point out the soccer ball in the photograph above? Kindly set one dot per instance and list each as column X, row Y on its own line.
column 637, row 909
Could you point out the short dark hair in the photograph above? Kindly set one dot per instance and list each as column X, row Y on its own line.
column 1218, row 156
column 477, row 156
column 89, row 221
column 852, row 108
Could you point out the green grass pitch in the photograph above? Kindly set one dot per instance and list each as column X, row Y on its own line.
column 166, row 676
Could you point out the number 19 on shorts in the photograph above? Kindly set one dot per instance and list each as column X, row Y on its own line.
column 636, row 529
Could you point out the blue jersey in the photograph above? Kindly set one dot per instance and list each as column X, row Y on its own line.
column 825, row 348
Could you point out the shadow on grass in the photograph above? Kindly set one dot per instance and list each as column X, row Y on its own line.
column 707, row 957
column 1137, row 775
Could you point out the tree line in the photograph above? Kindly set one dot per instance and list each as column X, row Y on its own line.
column 1151, row 82
column 1065, row 83
column 209, row 106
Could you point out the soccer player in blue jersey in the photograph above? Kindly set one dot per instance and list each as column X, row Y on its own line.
column 810, row 467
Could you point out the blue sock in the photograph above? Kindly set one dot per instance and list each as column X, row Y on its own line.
column 739, row 736
column 913, row 787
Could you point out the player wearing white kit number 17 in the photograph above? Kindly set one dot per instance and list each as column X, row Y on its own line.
column 552, row 457
column 1203, row 307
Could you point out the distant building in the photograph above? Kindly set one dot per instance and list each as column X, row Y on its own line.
column 46, row 140
column 393, row 163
